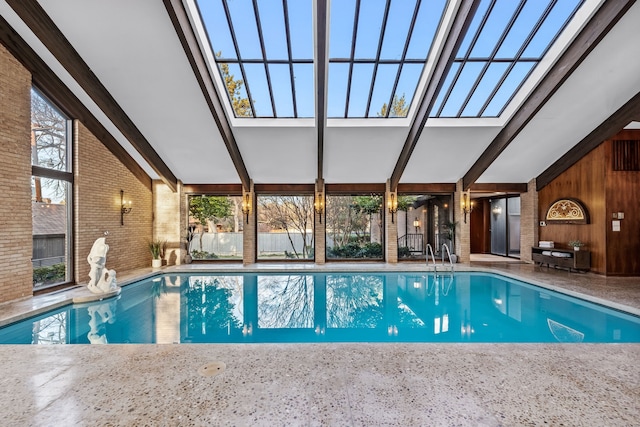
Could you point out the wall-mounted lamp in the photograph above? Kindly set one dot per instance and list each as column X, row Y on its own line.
column 416, row 225
column 125, row 207
column 466, row 204
column 318, row 206
column 246, row 206
column 392, row 205
column 497, row 210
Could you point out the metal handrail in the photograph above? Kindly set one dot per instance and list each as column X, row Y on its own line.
column 430, row 250
column 444, row 246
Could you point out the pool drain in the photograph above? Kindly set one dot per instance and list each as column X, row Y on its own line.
column 212, row 369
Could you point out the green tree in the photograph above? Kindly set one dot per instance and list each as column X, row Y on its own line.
column 399, row 108
column 241, row 106
column 368, row 205
column 209, row 208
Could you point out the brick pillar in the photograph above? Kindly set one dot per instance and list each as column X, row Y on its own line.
column 319, row 236
column 463, row 235
column 249, row 233
column 16, row 271
column 169, row 223
column 529, row 218
column 391, row 228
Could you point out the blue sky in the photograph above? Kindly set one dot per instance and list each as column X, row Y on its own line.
column 485, row 65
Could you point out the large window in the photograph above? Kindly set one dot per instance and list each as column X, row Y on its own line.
column 285, row 227
column 355, row 227
column 51, row 182
column 215, row 227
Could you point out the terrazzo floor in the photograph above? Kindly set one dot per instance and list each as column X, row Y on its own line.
column 332, row 384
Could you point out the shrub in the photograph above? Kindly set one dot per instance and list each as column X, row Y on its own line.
column 404, row 252
column 51, row 274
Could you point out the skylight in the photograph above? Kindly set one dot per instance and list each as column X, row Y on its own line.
column 264, row 52
column 504, row 43
column 377, row 51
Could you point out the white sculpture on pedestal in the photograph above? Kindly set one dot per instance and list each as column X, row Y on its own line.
column 101, row 280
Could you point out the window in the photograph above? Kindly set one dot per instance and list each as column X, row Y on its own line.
column 51, row 183
column 215, row 227
column 285, row 227
column 354, row 227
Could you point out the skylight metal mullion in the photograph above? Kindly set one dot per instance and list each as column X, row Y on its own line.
column 375, row 65
column 524, row 46
column 356, row 15
column 404, row 55
column 244, row 76
column 373, row 61
column 270, row 61
column 465, row 58
column 264, row 56
column 492, row 57
column 288, row 34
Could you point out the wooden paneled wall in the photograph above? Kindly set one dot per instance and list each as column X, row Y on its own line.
column 603, row 192
column 584, row 181
column 623, row 195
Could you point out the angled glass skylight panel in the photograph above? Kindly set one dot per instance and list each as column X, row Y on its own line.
column 264, row 51
column 504, row 43
column 384, row 45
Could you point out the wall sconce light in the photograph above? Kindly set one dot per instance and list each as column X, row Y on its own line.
column 466, row 205
column 246, row 206
column 392, row 204
column 318, row 206
column 125, row 207
column 416, row 224
column 497, row 210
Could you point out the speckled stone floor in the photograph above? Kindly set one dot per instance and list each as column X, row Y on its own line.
column 332, row 384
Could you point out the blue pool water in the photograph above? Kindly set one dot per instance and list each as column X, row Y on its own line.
column 329, row 307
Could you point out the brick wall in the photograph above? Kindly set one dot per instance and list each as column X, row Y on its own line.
column 528, row 221
column 391, row 228
column 463, row 235
column 16, row 273
column 99, row 177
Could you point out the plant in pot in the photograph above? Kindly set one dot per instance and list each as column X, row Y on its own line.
column 450, row 233
column 576, row 244
column 157, row 247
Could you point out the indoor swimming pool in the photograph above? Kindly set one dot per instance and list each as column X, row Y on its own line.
column 329, row 307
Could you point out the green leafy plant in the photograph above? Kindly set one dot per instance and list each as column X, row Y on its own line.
column 157, row 247
column 575, row 243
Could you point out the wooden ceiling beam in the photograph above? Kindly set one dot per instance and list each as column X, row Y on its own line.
column 594, row 31
column 34, row 16
column 461, row 23
column 321, row 80
column 189, row 40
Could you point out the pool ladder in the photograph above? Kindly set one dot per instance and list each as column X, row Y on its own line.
column 445, row 248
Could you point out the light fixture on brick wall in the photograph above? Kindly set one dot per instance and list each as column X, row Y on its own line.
column 318, row 206
column 392, row 205
column 125, row 207
column 466, row 204
column 246, row 206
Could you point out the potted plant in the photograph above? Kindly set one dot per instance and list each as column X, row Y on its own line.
column 156, row 247
column 450, row 234
column 576, row 244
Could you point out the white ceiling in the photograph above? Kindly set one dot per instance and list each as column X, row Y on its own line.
column 133, row 49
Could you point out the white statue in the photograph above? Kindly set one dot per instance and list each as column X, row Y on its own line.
column 100, row 280
column 100, row 315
